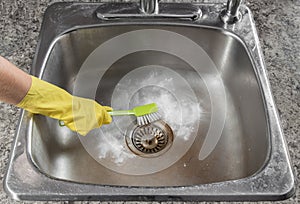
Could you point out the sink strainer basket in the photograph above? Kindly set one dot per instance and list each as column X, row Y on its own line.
column 150, row 140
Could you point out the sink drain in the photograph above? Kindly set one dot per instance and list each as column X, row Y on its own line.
column 150, row 140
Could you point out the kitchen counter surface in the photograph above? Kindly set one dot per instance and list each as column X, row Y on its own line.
column 278, row 24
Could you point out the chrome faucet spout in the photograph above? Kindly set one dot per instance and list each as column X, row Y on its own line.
column 231, row 14
column 149, row 6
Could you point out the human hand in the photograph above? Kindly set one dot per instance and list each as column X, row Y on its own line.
column 79, row 114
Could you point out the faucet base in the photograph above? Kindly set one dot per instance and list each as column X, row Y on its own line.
column 130, row 10
column 230, row 19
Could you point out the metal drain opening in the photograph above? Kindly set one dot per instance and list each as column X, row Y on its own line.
column 150, row 140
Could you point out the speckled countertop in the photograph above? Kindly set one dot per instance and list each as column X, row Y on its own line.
column 278, row 24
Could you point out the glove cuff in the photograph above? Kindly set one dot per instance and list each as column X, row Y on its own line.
column 46, row 99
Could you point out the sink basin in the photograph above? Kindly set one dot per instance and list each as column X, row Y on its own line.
column 243, row 146
column 228, row 144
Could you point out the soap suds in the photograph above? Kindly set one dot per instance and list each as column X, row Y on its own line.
column 176, row 101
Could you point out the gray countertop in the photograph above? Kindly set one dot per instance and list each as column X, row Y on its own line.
column 278, row 24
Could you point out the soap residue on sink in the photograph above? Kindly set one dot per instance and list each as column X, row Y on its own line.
column 178, row 106
column 179, row 114
column 113, row 147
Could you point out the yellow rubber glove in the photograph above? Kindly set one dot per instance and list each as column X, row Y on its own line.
column 79, row 114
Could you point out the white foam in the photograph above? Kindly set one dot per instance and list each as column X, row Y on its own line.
column 177, row 105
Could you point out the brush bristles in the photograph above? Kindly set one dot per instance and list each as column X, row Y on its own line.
column 149, row 118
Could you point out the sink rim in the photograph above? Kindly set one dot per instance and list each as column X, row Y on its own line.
column 14, row 183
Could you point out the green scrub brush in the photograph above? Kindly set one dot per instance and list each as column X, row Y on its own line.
column 145, row 114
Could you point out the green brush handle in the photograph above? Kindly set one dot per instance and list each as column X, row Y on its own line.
column 120, row 112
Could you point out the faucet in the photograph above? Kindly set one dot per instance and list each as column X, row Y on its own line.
column 231, row 14
column 149, row 6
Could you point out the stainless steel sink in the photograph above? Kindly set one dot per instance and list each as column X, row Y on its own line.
column 233, row 150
